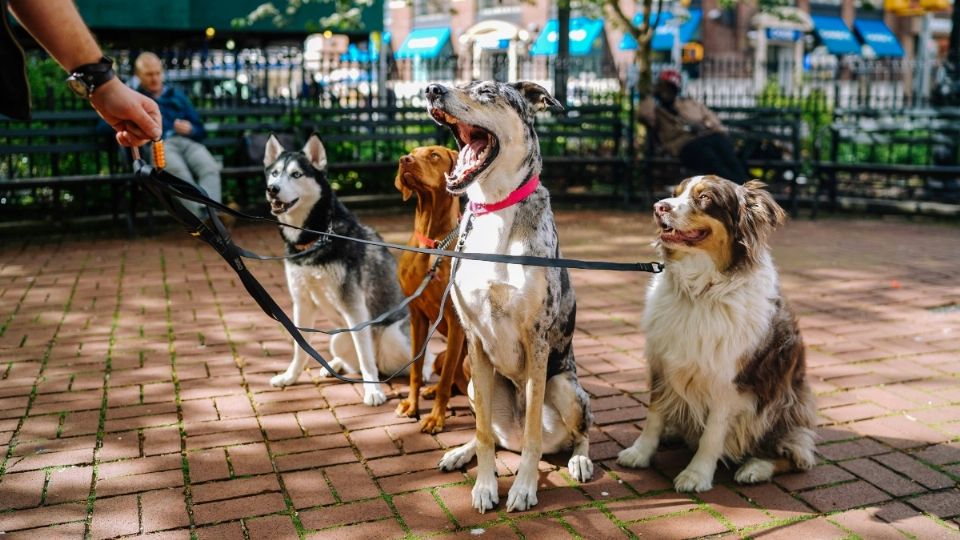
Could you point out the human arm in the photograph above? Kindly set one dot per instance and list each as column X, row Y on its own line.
column 57, row 26
column 710, row 119
column 647, row 112
column 188, row 122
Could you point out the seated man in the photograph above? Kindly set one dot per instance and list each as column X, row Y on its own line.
column 690, row 131
column 182, row 132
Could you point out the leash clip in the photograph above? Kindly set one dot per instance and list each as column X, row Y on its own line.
column 656, row 267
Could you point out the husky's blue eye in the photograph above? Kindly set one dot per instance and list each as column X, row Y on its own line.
column 296, row 174
column 275, row 173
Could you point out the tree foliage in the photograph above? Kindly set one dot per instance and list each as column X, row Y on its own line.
column 347, row 14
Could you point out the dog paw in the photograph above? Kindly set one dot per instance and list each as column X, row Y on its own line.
column 635, row 458
column 456, row 458
column 374, row 397
column 581, row 468
column 429, row 392
column 432, row 423
column 522, row 496
column 407, row 408
column 691, row 480
column 754, row 471
column 485, row 495
column 284, row 379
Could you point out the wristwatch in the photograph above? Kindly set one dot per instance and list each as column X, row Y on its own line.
column 84, row 80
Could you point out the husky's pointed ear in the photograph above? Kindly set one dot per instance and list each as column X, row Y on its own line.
column 272, row 150
column 315, row 152
column 537, row 96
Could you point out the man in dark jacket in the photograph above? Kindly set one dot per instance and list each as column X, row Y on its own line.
column 687, row 129
column 183, row 131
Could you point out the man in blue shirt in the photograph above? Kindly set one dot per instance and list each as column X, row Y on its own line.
column 183, row 130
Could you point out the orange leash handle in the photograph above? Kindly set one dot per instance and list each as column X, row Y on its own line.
column 159, row 159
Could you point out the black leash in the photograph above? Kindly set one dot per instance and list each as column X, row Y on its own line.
column 185, row 190
column 168, row 189
column 155, row 180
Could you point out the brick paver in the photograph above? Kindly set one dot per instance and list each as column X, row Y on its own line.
column 135, row 401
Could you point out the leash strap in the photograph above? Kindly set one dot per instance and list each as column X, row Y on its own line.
column 163, row 186
column 184, row 190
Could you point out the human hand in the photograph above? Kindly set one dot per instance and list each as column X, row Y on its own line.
column 135, row 116
column 183, row 127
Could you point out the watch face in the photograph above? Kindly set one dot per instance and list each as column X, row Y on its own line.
column 78, row 87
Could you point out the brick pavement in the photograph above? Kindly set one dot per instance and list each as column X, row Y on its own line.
column 134, row 401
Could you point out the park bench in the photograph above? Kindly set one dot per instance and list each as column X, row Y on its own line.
column 902, row 157
column 582, row 145
column 54, row 164
column 767, row 139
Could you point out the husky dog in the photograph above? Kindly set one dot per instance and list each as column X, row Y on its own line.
column 350, row 282
column 519, row 320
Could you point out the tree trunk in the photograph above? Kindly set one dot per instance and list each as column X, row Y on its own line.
column 562, row 60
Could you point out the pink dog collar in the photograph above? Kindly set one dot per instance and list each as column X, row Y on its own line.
column 519, row 194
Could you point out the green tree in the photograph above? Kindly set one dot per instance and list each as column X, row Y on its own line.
column 643, row 34
column 347, row 14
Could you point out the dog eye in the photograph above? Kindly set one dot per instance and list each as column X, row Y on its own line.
column 296, row 174
column 704, row 198
column 275, row 173
column 434, row 156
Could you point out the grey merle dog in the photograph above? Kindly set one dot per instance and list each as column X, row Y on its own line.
column 350, row 282
column 519, row 320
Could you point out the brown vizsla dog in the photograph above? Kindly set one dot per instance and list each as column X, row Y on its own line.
column 422, row 172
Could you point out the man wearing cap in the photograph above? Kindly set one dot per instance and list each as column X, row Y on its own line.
column 690, row 131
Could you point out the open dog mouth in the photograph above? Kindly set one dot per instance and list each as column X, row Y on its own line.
column 278, row 207
column 478, row 148
column 669, row 235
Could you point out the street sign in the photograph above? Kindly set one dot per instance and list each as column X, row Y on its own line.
column 783, row 34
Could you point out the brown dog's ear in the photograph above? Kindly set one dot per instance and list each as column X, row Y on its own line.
column 537, row 96
column 401, row 186
column 759, row 216
column 453, row 154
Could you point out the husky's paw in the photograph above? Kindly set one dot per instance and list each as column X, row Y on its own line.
column 581, row 468
column 692, row 480
column 485, row 494
column 284, row 379
column 635, row 458
column 374, row 397
column 336, row 364
column 523, row 495
column 457, row 458
column 754, row 471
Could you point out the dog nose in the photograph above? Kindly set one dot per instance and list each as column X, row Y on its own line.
column 435, row 90
column 662, row 208
column 407, row 159
column 273, row 189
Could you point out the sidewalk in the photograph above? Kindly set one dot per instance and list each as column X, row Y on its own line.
column 134, row 399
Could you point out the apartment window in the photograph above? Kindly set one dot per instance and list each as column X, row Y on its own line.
column 499, row 5
column 424, row 8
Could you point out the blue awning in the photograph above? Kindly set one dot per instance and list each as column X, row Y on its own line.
column 424, row 43
column 356, row 54
column 876, row 34
column 833, row 32
column 663, row 35
column 584, row 37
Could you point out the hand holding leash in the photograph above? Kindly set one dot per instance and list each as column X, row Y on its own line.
column 159, row 158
